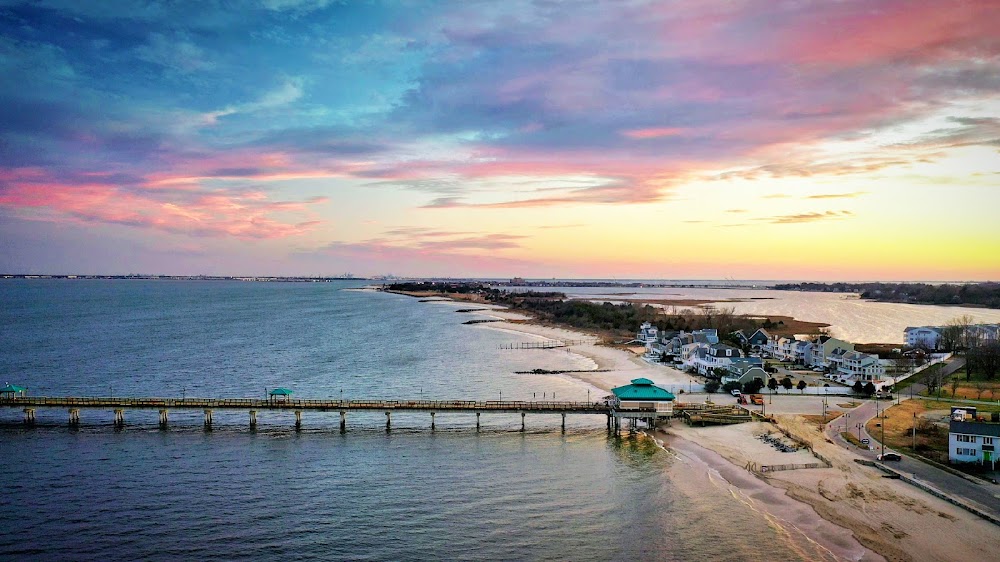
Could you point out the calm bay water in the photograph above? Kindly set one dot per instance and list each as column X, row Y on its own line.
column 850, row 317
column 143, row 493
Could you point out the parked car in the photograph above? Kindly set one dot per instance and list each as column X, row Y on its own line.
column 819, row 369
column 890, row 457
column 735, row 392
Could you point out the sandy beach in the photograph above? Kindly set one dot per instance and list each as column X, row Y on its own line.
column 888, row 517
column 617, row 367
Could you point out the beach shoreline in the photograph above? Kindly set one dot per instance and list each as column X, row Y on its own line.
column 847, row 510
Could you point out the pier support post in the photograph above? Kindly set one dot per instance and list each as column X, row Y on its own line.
column 477, row 420
column 522, row 421
column 388, row 421
column 432, row 420
column 253, row 419
column 564, row 422
column 119, row 418
column 74, row 417
column 298, row 419
column 29, row 416
column 163, row 419
column 208, row 420
column 343, row 421
column 609, row 423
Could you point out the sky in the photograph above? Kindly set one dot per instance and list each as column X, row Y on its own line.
column 827, row 140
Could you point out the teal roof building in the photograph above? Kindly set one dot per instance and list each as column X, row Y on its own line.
column 642, row 389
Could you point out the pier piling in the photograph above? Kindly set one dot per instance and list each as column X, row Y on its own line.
column 208, row 420
column 74, row 417
column 343, row 421
column 119, row 418
column 432, row 420
column 163, row 419
column 253, row 419
column 522, row 421
column 298, row 419
column 564, row 422
column 477, row 420
column 29, row 416
column 388, row 421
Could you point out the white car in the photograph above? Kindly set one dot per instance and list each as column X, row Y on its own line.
column 736, row 393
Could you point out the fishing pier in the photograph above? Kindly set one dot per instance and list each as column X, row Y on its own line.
column 119, row 406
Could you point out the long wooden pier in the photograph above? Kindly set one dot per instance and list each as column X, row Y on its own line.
column 548, row 344
column 120, row 404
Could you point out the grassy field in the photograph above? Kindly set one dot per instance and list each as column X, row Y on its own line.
column 978, row 387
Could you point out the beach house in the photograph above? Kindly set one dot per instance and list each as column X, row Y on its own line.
column 823, row 346
column 971, row 438
column 929, row 337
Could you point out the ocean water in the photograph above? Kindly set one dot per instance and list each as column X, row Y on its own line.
column 850, row 318
column 96, row 493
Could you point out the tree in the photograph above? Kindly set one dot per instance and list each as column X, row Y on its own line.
column 858, row 388
column 954, row 386
column 772, row 384
column 869, row 388
column 801, row 386
column 980, row 389
column 711, row 387
column 932, row 378
column 753, row 386
column 787, row 383
column 986, row 359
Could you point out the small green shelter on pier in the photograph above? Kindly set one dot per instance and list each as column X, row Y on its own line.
column 279, row 394
column 12, row 391
column 643, row 394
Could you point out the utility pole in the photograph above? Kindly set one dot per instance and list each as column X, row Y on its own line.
column 914, row 448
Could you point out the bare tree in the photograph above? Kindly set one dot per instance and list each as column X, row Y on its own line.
column 932, row 378
column 951, row 337
column 954, row 386
column 985, row 358
column 980, row 388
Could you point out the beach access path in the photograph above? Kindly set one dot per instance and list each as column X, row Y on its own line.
column 984, row 495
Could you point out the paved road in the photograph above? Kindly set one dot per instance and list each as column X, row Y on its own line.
column 952, row 366
column 985, row 495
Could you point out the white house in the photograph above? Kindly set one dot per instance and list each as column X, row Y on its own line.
column 648, row 334
column 972, row 439
column 863, row 367
column 923, row 336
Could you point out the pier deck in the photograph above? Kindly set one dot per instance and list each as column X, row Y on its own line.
column 252, row 405
column 468, row 406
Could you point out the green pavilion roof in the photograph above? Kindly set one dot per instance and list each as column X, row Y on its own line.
column 642, row 389
column 280, row 392
column 13, row 388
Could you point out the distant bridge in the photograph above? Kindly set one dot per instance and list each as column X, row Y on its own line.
column 74, row 405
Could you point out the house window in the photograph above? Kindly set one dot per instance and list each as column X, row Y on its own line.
column 965, row 438
column 965, row 451
column 987, row 440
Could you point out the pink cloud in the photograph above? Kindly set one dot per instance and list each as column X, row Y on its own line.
column 653, row 133
column 244, row 215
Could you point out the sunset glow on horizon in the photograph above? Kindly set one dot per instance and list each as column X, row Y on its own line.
column 855, row 140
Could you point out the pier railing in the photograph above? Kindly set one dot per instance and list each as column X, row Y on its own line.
column 301, row 404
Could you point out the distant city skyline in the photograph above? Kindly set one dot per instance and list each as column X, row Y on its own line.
column 855, row 140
